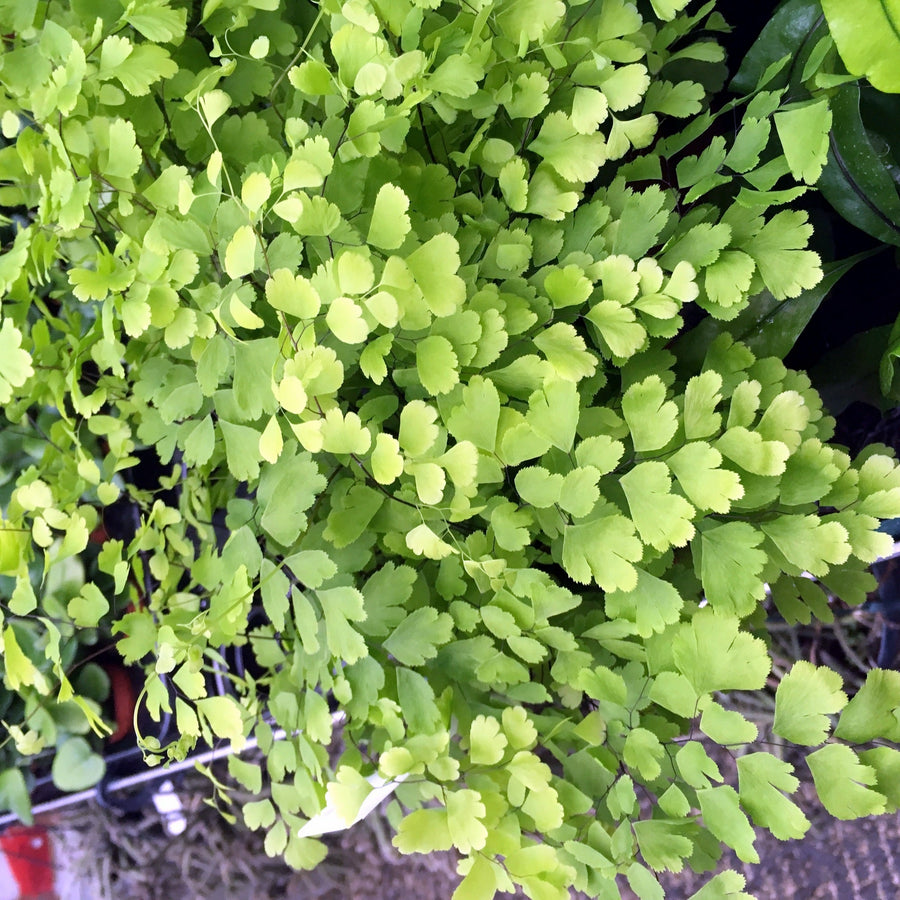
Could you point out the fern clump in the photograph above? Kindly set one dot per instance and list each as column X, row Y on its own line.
column 401, row 287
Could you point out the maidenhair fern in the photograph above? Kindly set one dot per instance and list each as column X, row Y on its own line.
column 400, row 286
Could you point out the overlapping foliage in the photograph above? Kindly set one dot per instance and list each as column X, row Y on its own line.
column 395, row 284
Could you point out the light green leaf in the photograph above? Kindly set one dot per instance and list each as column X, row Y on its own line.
column 643, row 751
column 387, row 461
column 567, row 286
column 241, row 450
column 355, row 273
column 342, row 605
column 866, row 38
column 539, row 487
column 696, row 466
column 715, row 655
column 879, row 487
column 480, row 882
column 762, row 777
column 590, row 109
column 619, row 328
column 156, row 20
column 673, row 691
column 424, row 542
column 346, row 322
column 722, row 815
column 662, row 844
column 566, row 352
column 437, row 364
column 240, row 255
column 874, row 711
column 731, row 565
column 603, row 550
column 805, row 697
column 886, row 763
column 728, row 279
column 652, row 605
column 752, row 452
column 417, row 638
column 513, row 181
column 809, row 543
column 786, row 268
column 701, row 396
column 643, row 883
column 486, row 742
column 510, row 526
column 476, row 420
column 286, row 491
column 344, row 433
column 518, row 728
column 465, row 810
column 579, row 491
column 371, row 360
column 14, row 547
column 662, row 519
column 843, row 783
column 75, row 766
column 553, row 413
column 695, row 765
column 292, row 294
column 418, row 430
column 14, row 795
column 123, row 155
column 390, row 223
column 15, row 363
column 347, row 793
column 575, row 157
column 434, row 266
column 88, row 607
column 652, row 420
column 255, row 190
column 725, row 726
column 727, row 885
column 18, row 668
column 424, row 831
column 803, row 130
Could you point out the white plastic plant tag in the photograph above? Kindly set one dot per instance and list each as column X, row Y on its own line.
column 329, row 819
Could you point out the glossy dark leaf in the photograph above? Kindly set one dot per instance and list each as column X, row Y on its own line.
column 856, row 181
column 792, row 32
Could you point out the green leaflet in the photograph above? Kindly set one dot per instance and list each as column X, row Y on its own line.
column 662, row 519
column 762, row 778
column 872, row 710
column 803, row 131
column 744, row 665
column 731, row 565
column 803, row 701
column 663, row 844
column 723, row 816
column 602, row 550
column 707, row 486
column 652, row 420
column 843, row 783
column 418, row 636
column 553, row 413
column 866, row 41
column 76, row 766
column 805, row 545
column 390, row 223
column 726, row 726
